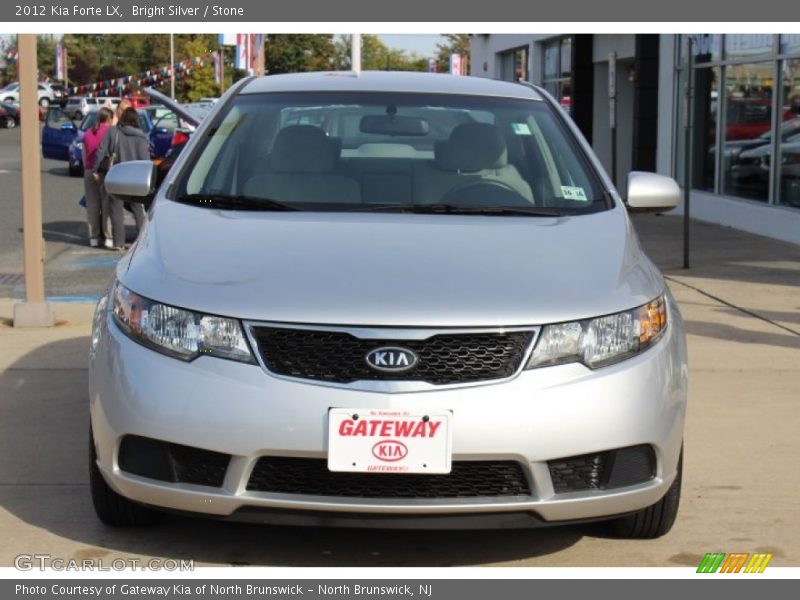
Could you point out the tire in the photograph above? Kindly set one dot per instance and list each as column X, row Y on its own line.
column 75, row 171
column 44, row 102
column 9, row 122
column 111, row 508
column 653, row 521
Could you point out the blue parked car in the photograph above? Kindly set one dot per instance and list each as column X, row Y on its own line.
column 62, row 138
column 58, row 132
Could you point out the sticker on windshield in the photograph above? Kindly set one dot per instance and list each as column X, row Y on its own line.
column 521, row 128
column 573, row 193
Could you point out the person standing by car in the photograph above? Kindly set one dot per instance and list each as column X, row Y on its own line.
column 98, row 210
column 123, row 142
column 123, row 104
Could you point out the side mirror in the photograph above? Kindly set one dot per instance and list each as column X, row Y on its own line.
column 648, row 192
column 133, row 181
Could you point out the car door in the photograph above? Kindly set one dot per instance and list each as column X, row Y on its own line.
column 161, row 135
column 58, row 132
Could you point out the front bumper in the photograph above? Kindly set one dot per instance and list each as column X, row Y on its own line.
column 242, row 410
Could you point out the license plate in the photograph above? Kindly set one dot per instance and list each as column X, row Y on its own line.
column 376, row 441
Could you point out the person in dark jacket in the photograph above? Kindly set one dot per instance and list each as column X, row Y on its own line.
column 125, row 141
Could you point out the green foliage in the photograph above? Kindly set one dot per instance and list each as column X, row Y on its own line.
column 199, row 83
column 377, row 56
column 293, row 53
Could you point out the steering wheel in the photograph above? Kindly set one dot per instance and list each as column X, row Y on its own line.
column 475, row 193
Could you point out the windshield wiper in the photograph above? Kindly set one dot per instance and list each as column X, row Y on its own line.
column 233, row 202
column 454, row 209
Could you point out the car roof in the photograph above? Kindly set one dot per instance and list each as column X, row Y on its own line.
column 389, row 81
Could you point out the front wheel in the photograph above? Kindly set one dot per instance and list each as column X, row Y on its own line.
column 9, row 122
column 111, row 508
column 44, row 102
column 653, row 521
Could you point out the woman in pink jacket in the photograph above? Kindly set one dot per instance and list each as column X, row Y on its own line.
column 98, row 210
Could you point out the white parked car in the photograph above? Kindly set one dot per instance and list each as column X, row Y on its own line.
column 395, row 300
column 79, row 107
column 47, row 95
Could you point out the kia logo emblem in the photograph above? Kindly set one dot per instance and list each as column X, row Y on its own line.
column 392, row 360
column 389, row 450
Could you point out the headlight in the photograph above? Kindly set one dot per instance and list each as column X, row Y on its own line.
column 601, row 341
column 180, row 333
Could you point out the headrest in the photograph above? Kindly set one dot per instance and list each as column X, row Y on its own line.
column 304, row 149
column 471, row 147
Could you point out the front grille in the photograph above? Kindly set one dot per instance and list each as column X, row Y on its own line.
column 311, row 477
column 341, row 358
column 174, row 463
column 603, row 470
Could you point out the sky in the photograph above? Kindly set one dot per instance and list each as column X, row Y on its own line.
column 422, row 44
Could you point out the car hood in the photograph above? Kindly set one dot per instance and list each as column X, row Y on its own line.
column 390, row 269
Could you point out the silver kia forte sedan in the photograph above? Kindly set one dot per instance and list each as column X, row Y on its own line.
column 388, row 300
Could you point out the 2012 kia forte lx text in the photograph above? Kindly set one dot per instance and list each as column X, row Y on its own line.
column 388, row 299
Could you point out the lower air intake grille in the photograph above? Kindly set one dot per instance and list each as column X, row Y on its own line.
column 603, row 470
column 172, row 462
column 311, row 477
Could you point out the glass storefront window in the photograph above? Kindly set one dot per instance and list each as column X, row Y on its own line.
column 788, row 189
column 566, row 58
column 738, row 127
column 704, row 129
column 558, row 70
column 514, row 64
column 747, row 45
column 706, row 48
column 748, row 130
column 790, row 43
column 551, row 61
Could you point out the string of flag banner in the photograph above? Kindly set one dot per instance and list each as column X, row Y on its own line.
column 148, row 78
column 249, row 57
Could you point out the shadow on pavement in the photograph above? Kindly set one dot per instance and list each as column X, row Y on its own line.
column 66, row 232
column 718, row 252
column 44, row 420
column 742, row 336
column 63, row 171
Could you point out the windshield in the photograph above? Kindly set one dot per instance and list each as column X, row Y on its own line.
column 375, row 151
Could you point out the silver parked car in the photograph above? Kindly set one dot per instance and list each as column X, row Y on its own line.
column 388, row 299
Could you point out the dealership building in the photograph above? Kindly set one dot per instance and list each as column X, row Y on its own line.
column 744, row 108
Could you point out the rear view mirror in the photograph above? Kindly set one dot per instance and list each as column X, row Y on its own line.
column 648, row 192
column 394, row 125
column 133, row 181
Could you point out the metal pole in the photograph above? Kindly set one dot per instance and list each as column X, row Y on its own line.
column 612, row 114
column 687, row 146
column 355, row 56
column 172, row 66
column 35, row 312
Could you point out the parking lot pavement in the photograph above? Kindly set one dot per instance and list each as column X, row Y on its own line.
column 742, row 310
column 73, row 271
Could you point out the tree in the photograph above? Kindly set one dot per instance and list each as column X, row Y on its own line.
column 455, row 43
column 199, row 82
column 377, row 56
column 293, row 53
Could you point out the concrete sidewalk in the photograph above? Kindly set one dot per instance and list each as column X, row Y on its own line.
column 741, row 304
